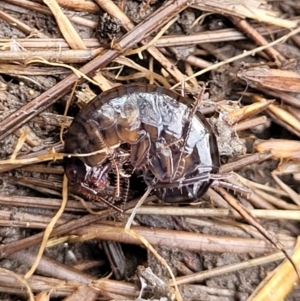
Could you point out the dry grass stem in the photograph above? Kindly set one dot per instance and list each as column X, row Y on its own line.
column 261, row 214
column 65, row 26
column 197, row 277
column 177, row 239
column 65, row 56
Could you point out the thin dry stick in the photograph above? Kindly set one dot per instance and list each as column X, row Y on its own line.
column 52, row 267
column 295, row 197
column 251, row 123
column 84, row 6
column 288, row 98
column 20, row 25
column 198, row 277
column 36, row 44
column 177, row 239
column 245, row 214
column 293, row 215
column 36, row 7
column 212, row 36
column 254, row 35
column 21, row 279
column 250, row 159
column 30, row 6
column 66, row 56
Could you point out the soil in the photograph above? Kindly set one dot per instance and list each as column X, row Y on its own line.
column 94, row 258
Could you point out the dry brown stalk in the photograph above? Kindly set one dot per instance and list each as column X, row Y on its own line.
column 253, row 221
column 285, row 117
column 58, row 270
column 251, row 123
column 84, row 292
column 30, row 221
column 285, row 97
column 235, row 115
column 53, row 267
column 33, row 43
column 221, row 35
column 16, row 70
column 126, row 23
column 257, row 38
column 291, row 214
column 176, row 239
column 226, row 269
column 46, row 203
column 197, row 62
column 276, row 201
column 281, row 282
column 20, row 25
column 85, row 5
column 37, row 283
column 64, row 56
column 244, row 161
column 28, row 6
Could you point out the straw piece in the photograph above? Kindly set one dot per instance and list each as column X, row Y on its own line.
column 65, row 26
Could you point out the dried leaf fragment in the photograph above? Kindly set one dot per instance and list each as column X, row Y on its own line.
column 280, row 148
column 262, row 77
column 246, row 111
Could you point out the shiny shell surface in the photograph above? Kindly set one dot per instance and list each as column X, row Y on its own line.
column 150, row 128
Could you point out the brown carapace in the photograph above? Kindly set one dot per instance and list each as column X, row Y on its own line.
column 144, row 129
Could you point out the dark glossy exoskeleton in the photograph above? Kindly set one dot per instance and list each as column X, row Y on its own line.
column 150, row 129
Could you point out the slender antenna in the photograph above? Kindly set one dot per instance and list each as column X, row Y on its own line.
column 96, row 197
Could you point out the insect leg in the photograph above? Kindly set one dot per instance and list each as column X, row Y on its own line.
column 139, row 154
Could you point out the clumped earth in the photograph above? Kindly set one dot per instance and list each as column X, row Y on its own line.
column 30, row 194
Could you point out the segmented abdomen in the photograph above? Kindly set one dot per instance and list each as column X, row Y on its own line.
column 165, row 141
